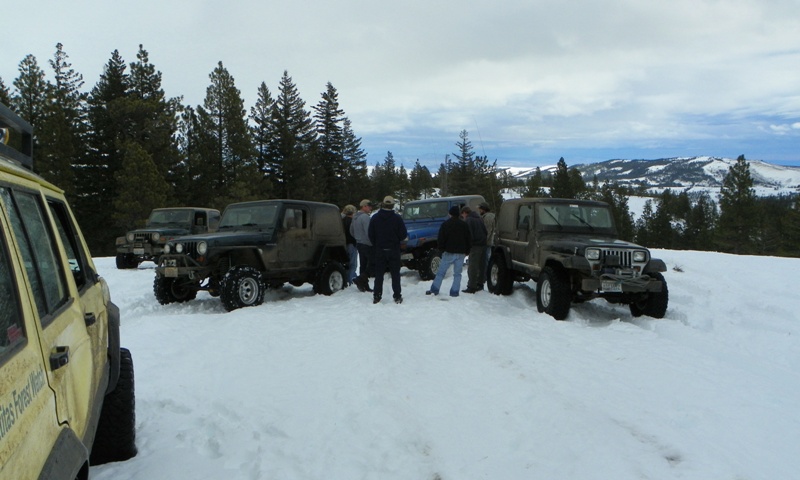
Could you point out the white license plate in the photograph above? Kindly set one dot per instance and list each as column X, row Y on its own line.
column 611, row 286
column 138, row 251
column 171, row 271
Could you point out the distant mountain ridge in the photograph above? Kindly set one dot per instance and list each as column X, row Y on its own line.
column 682, row 173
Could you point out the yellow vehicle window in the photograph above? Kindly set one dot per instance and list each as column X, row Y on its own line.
column 38, row 250
column 12, row 328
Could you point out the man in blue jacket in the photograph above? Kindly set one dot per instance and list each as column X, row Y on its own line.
column 386, row 231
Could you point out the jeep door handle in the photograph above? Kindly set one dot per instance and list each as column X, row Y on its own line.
column 59, row 357
column 89, row 318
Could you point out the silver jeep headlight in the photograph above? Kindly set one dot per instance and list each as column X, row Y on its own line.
column 639, row 256
column 155, row 236
column 178, row 248
column 593, row 254
column 167, row 248
column 202, row 248
column 130, row 236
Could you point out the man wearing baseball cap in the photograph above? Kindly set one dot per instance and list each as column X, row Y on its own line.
column 386, row 231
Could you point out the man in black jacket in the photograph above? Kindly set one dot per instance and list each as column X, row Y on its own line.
column 454, row 241
column 386, row 231
column 477, row 253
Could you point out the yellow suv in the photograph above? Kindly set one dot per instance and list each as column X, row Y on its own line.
column 66, row 386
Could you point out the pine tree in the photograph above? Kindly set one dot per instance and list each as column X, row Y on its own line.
column 61, row 145
column 420, row 182
column 329, row 119
column 562, row 183
column 356, row 160
column 293, row 144
column 534, row 185
column 142, row 187
column 225, row 144
column 263, row 133
column 385, row 178
column 31, row 93
column 618, row 201
column 701, row 223
column 5, row 94
column 96, row 176
column 737, row 208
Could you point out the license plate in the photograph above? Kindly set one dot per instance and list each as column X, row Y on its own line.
column 611, row 286
column 138, row 251
column 171, row 271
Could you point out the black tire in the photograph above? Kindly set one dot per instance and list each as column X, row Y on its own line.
column 126, row 260
column 655, row 304
column 242, row 286
column 429, row 265
column 115, row 439
column 172, row 290
column 330, row 279
column 553, row 293
column 498, row 276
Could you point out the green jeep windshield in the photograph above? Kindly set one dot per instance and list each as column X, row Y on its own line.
column 258, row 215
column 574, row 216
column 170, row 217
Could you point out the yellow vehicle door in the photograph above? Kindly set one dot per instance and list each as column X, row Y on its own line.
column 28, row 423
column 63, row 335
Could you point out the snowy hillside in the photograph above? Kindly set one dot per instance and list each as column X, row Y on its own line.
column 694, row 174
column 474, row 387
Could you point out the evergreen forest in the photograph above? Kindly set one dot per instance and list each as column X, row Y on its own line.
column 120, row 148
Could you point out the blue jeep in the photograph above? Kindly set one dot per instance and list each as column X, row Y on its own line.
column 423, row 219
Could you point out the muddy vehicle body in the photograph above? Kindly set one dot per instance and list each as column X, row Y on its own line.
column 423, row 219
column 163, row 224
column 258, row 245
column 571, row 250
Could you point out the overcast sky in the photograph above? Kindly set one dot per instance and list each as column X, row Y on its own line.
column 530, row 80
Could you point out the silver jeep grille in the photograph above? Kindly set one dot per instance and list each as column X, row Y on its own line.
column 141, row 237
column 625, row 257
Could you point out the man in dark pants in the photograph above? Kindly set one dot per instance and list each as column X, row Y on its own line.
column 386, row 231
column 476, row 271
column 359, row 228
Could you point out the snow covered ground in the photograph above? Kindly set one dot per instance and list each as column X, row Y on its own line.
column 474, row 387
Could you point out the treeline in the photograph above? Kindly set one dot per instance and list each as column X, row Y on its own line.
column 740, row 222
column 122, row 148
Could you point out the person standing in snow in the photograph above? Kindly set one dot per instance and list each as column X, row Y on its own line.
column 352, row 250
column 359, row 229
column 488, row 221
column 386, row 231
column 454, row 241
column 476, row 271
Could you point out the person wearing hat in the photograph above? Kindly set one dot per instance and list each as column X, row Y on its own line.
column 359, row 229
column 352, row 251
column 489, row 221
column 454, row 241
column 386, row 231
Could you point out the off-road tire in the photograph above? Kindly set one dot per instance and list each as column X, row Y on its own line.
column 553, row 293
column 330, row 279
column 655, row 304
column 429, row 265
column 126, row 261
column 171, row 290
column 115, row 439
column 242, row 286
column 498, row 276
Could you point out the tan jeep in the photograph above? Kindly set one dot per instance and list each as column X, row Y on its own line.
column 66, row 386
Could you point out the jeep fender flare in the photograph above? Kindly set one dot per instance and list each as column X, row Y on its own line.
column 328, row 252
column 504, row 253
column 655, row 265
column 113, row 346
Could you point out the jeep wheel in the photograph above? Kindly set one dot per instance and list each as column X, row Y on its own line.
column 242, row 286
column 655, row 303
column 499, row 280
column 330, row 279
column 553, row 293
column 171, row 290
column 126, row 260
column 115, row 439
column 430, row 265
